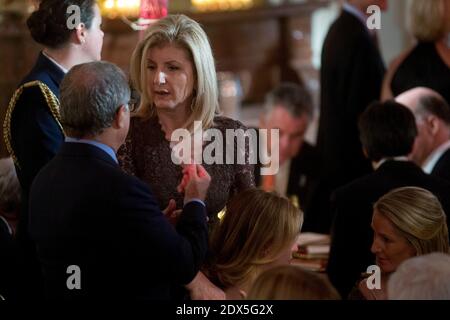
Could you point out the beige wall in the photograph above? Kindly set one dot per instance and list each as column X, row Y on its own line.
column 394, row 35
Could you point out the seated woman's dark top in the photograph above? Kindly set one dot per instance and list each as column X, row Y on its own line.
column 423, row 67
column 146, row 154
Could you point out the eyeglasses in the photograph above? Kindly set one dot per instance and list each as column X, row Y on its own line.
column 133, row 104
column 130, row 107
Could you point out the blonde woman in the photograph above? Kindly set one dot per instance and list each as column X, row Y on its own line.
column 407, row 222
column 427, row 64
column 292, row 283
column 173, row 70
column 258, row 231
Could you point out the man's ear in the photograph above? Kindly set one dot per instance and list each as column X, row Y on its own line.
column 433, row 124
column 80, row 33
column 121, row 119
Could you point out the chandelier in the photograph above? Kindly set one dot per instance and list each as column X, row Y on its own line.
column 146, row 11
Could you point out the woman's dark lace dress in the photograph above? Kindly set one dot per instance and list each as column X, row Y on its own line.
column 146, row 154
column 423, row 67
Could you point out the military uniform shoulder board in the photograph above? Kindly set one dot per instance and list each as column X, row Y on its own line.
column 52, row 103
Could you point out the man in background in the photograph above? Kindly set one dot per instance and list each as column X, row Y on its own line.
column 432, row 147
column 289, row 109
column 388, row 131
column 352, row 72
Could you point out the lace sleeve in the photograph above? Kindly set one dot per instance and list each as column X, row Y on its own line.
column 126, row 157
column 244, row 176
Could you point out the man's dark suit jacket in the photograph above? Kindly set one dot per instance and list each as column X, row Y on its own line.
column 352, row 206
column 9, row 263
column 442, row 167
column 303, row 175
column 351, row 77
column 85, row 211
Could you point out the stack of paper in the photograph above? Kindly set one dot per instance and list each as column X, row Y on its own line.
column 313, row 246
column 313, row 251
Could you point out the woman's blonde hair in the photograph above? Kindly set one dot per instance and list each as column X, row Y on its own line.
column 418, row 216
column 179, row 30
column 427, row 20
column 256, row 227
column 292, row 283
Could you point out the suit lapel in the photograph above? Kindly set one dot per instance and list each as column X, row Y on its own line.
column 442, row 162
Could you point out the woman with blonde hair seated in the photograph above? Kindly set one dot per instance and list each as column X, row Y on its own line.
column 427, row 63
column 292, row 283
column 258, row 231
column 407, row 222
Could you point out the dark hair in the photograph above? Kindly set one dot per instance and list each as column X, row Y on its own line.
column 48, row 24
column 436, row 106
column 294, row 98
column 387, row 130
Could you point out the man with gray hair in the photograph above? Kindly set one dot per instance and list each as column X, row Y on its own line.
column 289, row 109
column 425, row 277
column 432, row 147
column 99, row 232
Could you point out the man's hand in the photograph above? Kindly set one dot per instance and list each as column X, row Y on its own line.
column 171, row 207
column 195, row 182
column 171, row 212
column 202, row 289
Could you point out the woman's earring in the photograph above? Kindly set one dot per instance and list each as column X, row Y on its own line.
column 193, row 103
column 194, row 99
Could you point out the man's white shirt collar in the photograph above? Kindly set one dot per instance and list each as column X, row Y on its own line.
column 378, row 164
column 282, row 178
column 434, row 157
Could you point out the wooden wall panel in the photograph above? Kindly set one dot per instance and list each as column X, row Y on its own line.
column 266, row 44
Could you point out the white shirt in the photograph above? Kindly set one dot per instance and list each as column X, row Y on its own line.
column 57, row 64
column 434, row 157
column 282, row 178
column 378, row 164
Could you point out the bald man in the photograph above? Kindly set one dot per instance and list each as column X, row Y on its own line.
column 432, row 146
